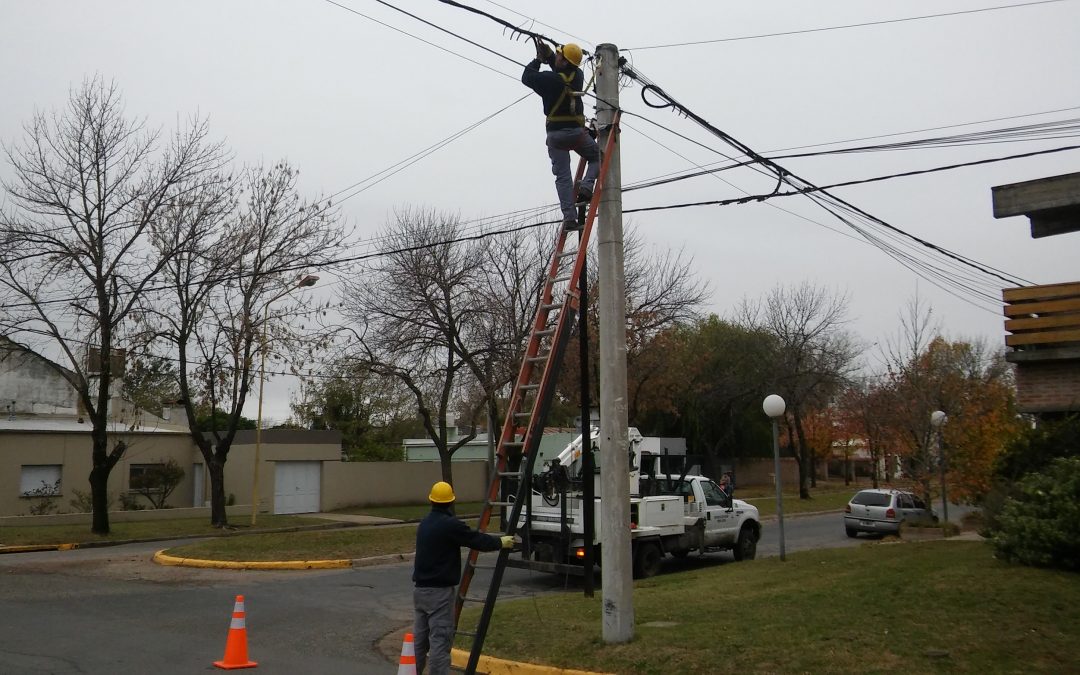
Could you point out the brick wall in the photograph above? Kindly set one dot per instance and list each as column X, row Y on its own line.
column 1052, row 386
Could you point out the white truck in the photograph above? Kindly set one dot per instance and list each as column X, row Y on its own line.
column 672, row 512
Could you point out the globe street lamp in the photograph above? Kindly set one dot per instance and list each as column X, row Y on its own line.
column 938, row 418
column 774, row 407
column 303, row 282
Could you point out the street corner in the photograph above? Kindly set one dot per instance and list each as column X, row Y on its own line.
column 163, row 558
column 490, row 665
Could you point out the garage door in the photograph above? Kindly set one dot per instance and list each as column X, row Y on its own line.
column 296, row 487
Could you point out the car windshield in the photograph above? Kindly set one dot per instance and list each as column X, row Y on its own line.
column 872, row 499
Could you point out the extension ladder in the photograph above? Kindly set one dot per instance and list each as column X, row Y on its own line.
column 530, row 400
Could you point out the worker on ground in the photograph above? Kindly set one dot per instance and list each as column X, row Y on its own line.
column 565, row 117
column 436, row 571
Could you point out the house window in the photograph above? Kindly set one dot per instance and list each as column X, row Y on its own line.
column 142, row 476
column 40, row 480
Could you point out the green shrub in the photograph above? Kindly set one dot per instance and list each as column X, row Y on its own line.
column 82, row 502
column 1040, row 525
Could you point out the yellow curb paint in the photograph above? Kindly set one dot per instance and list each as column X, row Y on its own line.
column 493, row 666
column 163, row 558
column 31, row 548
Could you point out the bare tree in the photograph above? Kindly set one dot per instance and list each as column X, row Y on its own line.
column 78, row 263
column 446, row 317
column 662, row 292
column 239, row 259
column 814, row 354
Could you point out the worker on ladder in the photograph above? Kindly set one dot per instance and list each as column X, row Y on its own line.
column 561, row 90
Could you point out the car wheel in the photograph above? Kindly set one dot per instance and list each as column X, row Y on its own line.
column 647, row 560
column 851, row 533
column 746, row 545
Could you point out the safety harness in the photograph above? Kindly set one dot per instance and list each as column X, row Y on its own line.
column 572, row 107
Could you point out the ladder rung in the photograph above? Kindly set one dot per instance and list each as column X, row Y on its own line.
column 501, row 503
column 465, row 633
column 537, row 359
column 510, row 474
column 554, row 305
column 529, row 387
column 523, row 414
column 545, row 332
column 514, row 444
column 567, row 254
column 558, row 279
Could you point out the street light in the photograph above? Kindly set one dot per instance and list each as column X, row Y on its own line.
column 303, row 282
column 938, row 418
column 774, row 407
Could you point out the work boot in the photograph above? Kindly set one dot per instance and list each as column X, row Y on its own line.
column 584, row 196
column 571, row 224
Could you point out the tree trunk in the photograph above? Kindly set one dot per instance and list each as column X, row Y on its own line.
column 215, row 468
column 99, row 497
column 801, row 455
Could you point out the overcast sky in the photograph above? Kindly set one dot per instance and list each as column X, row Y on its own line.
column 347, row 90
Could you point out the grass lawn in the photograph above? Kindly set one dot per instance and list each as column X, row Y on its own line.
column 940, row 607
column 352, row 542
column 181, row 527
column 409, row 512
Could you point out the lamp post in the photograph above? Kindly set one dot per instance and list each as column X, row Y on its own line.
column 938, row 418
column 303, row 282
column 774, row 407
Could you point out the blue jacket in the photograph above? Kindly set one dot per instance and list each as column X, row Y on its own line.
column 552, row 87
column 438, row 547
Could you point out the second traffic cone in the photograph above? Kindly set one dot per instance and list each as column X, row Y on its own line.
column 407, row 663
column 236, row 651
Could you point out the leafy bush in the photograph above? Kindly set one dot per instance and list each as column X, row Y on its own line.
column 44, row 498
column 129, row 501
column 83, row 502
column 1040, row 525
column 1030, row 452
column 157, row 481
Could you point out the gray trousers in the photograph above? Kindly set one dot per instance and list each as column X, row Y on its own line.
column 433, row 628
column 559, row 143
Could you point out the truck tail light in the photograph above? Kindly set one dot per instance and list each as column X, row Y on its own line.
column 633, row 525
column 891, row 513
column 579, row 553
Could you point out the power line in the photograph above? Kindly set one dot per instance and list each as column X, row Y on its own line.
column 783, row 175
column 416, row 37
column 842, row 27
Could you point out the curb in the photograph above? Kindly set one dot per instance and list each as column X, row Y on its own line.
column 31, row 548
column 162, row 558
column 490, row 665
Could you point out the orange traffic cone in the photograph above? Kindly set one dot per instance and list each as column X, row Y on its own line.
column 407, row 663
column 236, row 651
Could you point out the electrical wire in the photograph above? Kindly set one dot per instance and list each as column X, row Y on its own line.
column 845, row 26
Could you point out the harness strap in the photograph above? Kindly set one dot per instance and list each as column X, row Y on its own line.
column 567, row 78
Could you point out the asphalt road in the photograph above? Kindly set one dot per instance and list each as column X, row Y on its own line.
column 111, row 610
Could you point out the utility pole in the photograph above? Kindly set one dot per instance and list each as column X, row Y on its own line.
column 615, row 562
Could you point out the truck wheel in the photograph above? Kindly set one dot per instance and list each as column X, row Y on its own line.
column 746, row 545
column 647, row 560
column 680, row 554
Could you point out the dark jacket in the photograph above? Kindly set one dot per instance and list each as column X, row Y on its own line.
column 438, row 547
column 567, row 110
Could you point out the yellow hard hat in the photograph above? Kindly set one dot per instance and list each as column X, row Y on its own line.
column 571, row 52
column 441, row 493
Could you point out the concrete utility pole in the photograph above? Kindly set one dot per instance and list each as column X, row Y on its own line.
column 615, row 562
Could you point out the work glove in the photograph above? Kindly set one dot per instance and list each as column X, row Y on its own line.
column 543, row 51
column 507, row 541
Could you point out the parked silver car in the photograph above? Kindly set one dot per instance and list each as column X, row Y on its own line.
column 882, row 511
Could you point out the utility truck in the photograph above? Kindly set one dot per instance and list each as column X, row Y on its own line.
column 673, row 509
